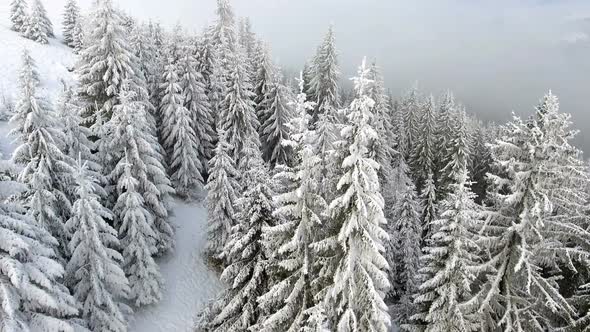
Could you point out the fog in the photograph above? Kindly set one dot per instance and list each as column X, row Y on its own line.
column 497, row 56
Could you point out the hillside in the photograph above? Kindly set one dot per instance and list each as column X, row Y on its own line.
column 188, row 282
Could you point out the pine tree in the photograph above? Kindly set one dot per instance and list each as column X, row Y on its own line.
column 33, row 296
column 197, row 103
column 410, row 111
column 290, row 301
column 423, row 154
column 481, row 161
column 71, row 17
column 132, row 138
column 137, row 238
column 170, row 104
column 209, row 67
column 405, row 252
column 18, row 15
column 324, row 82
column 430, row 208
column 237, row 308
column 94, row 271
column 46, row 170
column 450, row 266
column 533, row 229
column 456, row 155
column 445, row 120
column 224, row 39
column 105, row 62
column 238, row 118
column 263, row 80
column 78, row 38
column 275, row 130
column 222, row 189
column 38, row 27
column 355, row 299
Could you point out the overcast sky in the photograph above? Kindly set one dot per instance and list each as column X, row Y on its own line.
column 497, row 55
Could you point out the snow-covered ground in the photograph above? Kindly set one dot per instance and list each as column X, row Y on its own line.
column 188, row 282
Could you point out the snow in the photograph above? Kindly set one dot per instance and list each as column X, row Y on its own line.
column 189, row 284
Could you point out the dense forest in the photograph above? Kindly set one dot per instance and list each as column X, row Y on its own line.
column 333, row 204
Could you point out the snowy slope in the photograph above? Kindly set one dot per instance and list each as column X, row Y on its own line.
column 188, row 282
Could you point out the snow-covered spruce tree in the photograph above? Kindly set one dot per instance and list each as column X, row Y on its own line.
column 208, row 67
column 33, row 296
column 263, row 80
column 237, row 308
column 355, row 296
column 445, row 124
column 137, row 237
column 71, row 16
column 410, row 112
column 406, row 236
column 290, row 302
column 324, row 81
column 18, row 15
column 38, row 27
column 430, row 208
column 146, row 43
column 480, row 161
column 132, row 137
column 105, row 61
column 275, row 129
column 185, row 166
column 238, row 118
column 224, row 40
column 450, row 266
column 94, row 272
column 222, row 188
column 456, row 155
column 46, row 170
column 533, row 228
column 171, row 102
column 78, row 37
column 424, row 145
column 197, row 103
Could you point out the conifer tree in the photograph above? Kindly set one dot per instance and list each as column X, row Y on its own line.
column 137, row 238
column 263, row 80
column 355, row 299
column 237, row 308
column 450, row 266
column 410, row 112
column 224, row 39
column 457, row 153
column 33, row 296
column 291, row 301
column 197, row 103
column 38, row 27
column 170, row 104
column 18, row 15
column 77, row 37
column 539, row 172
column 445, row 124
column 222, row 189
column 325, row 77
column 71, row 17
column 430, row 208
column 209, row 67
column 274, row 131
column 405, row 251
column 46, row 170
column 423, row 153
column 94, row 270
column 105, row 62
column 238, row 118
column 132, row 138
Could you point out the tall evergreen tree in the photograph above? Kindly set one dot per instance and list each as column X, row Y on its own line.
column 46, row 170
column 132, row 139
column 137, row 238
column 38, row 27
column 71, row 16
column 33, row 296
column 78, row 38
column 410, row 111
column 531, row 233
column 291, row 301
column 456, row 155
column 325, row 77
column 423, row 154
column 18, row 15
column 197, row 103
column 450, row 266
column 237, row 308
column 171, row 102
column 355, row 299
column 94, row 271
column 445, row 129
column 275, row 131
column 430, row 208
column 223, row 189
column 262, row 83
